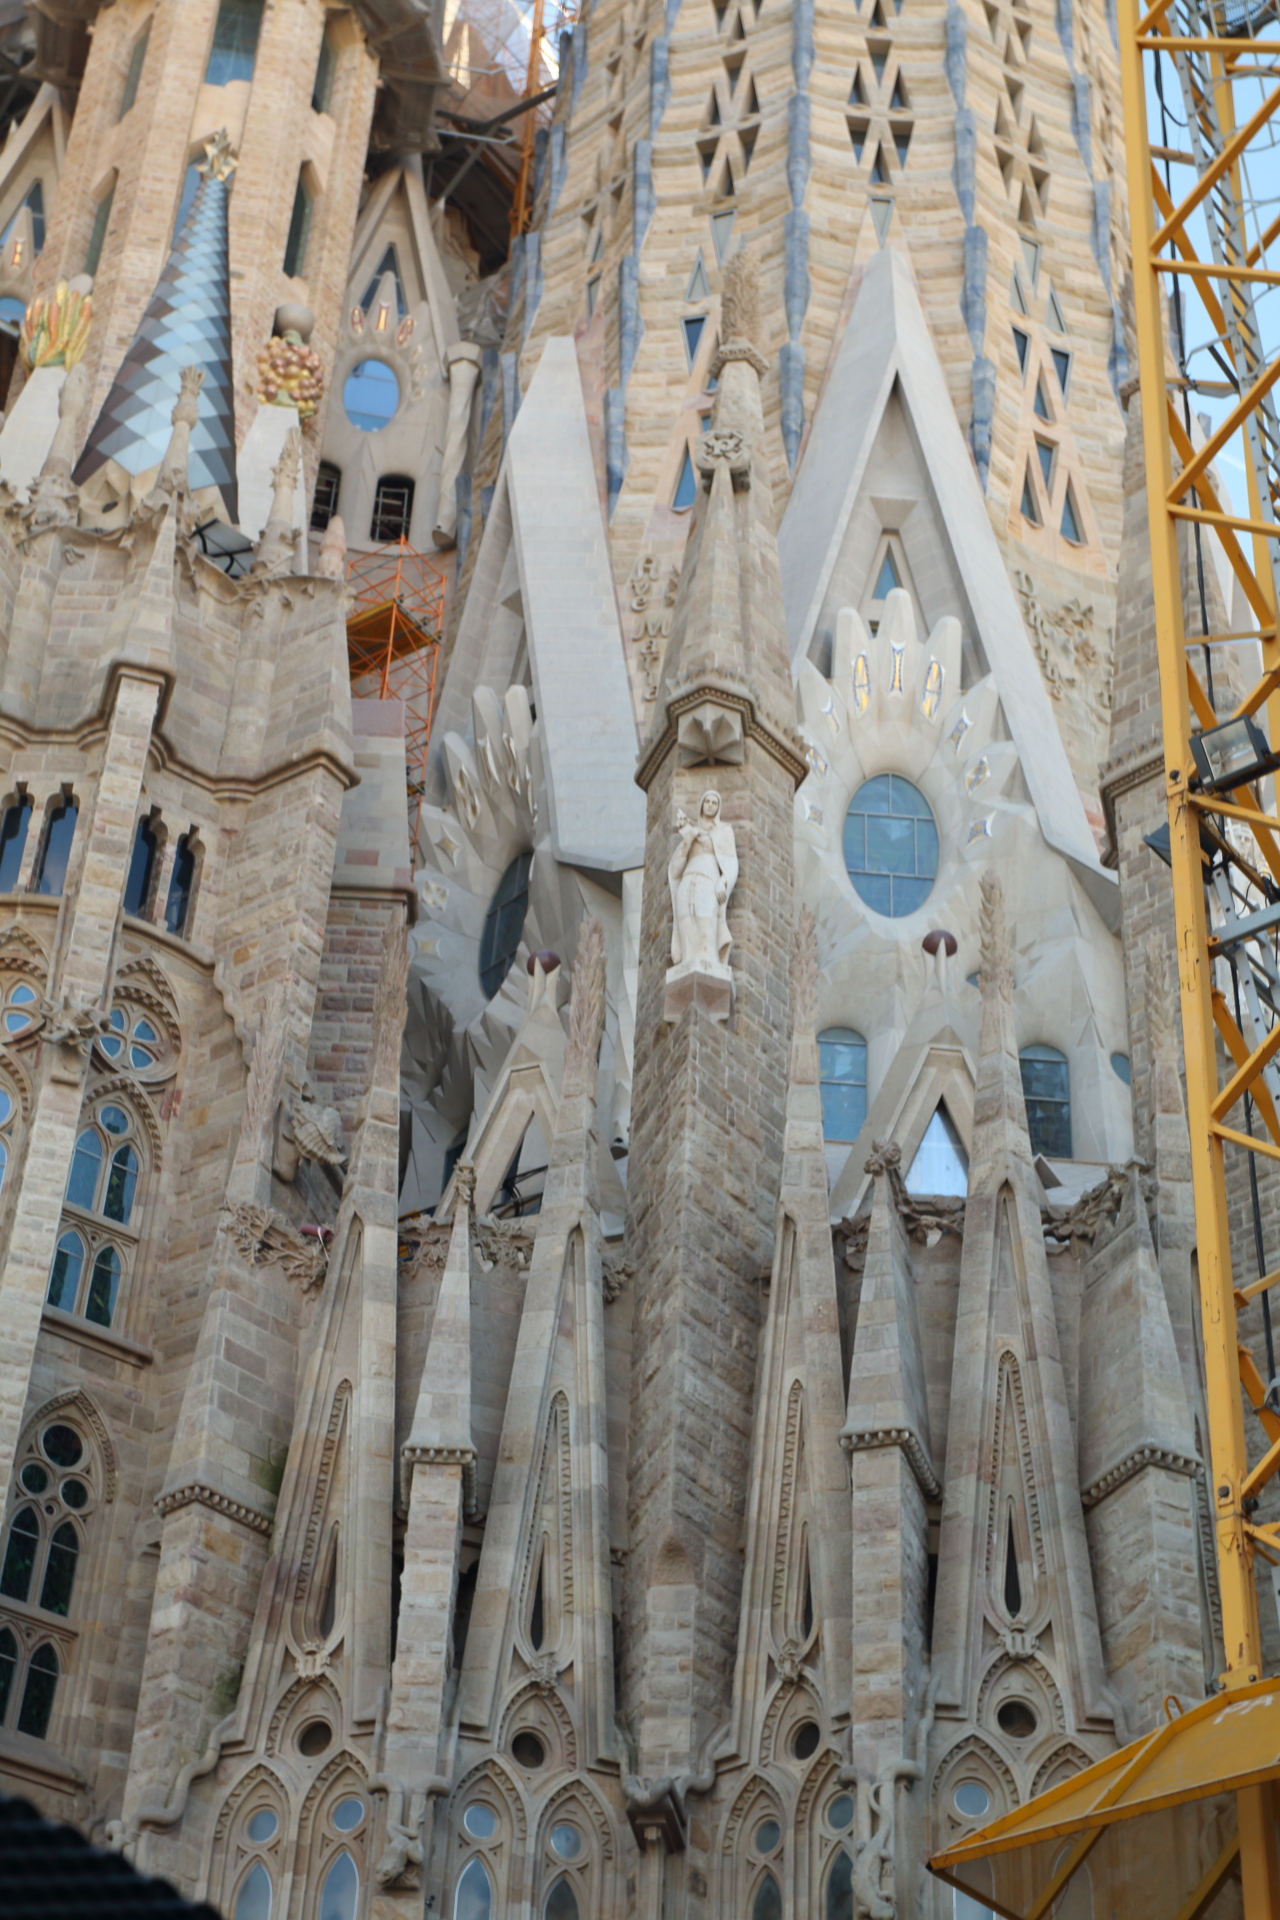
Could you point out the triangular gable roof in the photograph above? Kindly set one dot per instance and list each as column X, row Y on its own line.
column 546, row 516
column 887, row 343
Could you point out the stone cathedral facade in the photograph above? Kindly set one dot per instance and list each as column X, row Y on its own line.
column 623, row 1342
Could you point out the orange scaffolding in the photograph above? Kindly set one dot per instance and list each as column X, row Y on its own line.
column 393, row 644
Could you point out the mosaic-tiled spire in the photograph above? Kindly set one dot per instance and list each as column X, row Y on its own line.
column 187, row 323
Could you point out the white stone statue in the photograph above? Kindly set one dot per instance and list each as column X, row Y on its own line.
column 702, row 873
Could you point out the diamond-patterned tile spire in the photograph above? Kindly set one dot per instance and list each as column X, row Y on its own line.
column 187, row 323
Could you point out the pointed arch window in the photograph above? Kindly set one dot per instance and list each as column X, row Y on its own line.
column 13, row 840
column 839, row 1901
column 98, row 231
column 139, row 886
column 504, row 924
column 182, row 884
column 474, row 1898
column 562, row 1902
column 55, row 853
column 1012, row 1578
column 340, row 1895
column 941, row 1165
column 1046, row 1088
column 253, row 1902
column 58, row 1480
column 767, row 1904
column 101, row 1218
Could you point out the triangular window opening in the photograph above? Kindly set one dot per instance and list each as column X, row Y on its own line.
column 1031, row 254
column 887, row 578
column 877, row 18
column 879, row 60
column 706, row 154
column 1070, row 522
column 881, row 214
column 941, row 1165
column 879, row 176
column 697, row 288
column 329, row 1600
column 692, row 334
column 727, row 188
column 739, row 31
column 722, row 233
column 713, row 112
column 720, row 14
column 806, row 1614
column 537, row 1619
column 857, row 98
column 1046, row 452
column 751, row 105
column 1040, row 404
column 1016, row 299
column 1021, row 343
column 858, row 137
column 748, row 146
column 1053, row 314
column 902, row 140
column 686, row 487
column 1027, row 210
column 1012, row 1582
column 1030, row 510
column 597, row 251
column 1061, row 366
column 898, row 98
column 388, row 264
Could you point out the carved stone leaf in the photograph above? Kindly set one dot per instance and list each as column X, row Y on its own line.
column 264, row 1238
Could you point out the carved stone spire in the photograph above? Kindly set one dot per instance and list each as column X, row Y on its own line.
column 279, row 537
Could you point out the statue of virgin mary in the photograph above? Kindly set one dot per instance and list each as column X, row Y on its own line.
column 702, row 874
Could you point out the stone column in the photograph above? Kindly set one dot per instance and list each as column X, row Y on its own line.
column 463, row 362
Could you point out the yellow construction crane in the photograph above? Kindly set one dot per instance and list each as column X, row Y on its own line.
column 1170, row 1824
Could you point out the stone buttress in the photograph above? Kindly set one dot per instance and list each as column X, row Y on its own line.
column 707, row 1140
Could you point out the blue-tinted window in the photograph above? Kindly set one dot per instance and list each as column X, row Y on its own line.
column 474, row 1898
column 104, row 1284
column 295, row 247
column 137, row 888
column 13, row 841
column 98, row 232
column 137, row 59
column 64, row 1275
column 86, row 1165
column 692, row 335
column 891, row 845
column 504, row 924
column 371, row 395
column 1046, row 1088
column 235, row 42
column 56, row 853
column 842, row 1070
column 686, row 486
column 181, row 883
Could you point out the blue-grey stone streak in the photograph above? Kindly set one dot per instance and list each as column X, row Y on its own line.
column 973, row 297
column 615, row 443
column 791, row 383
column 630, row 324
